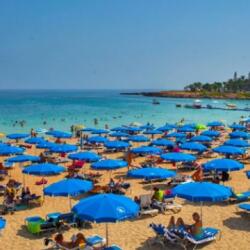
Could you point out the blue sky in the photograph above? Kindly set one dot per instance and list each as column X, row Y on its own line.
column 121, row 44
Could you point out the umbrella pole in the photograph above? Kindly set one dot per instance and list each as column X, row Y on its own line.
column 70, row 204
column 201, row 205
column 107, row 234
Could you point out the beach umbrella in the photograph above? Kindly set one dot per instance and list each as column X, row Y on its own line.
column 147, row 127
column 202, row 192
column 88, row 129
column 85, row 156
column 17, row 136
column 63, row 148
column 215, row 124
column 237, row 143
column 201, row 138
column 24, row 158
column 178, row 157
column 43, row 169
column 2, row 223
column 97, row 139
column 237, row 126
column 166, row 128
column 239, row 134
column 9, row 150
column 68, row 187
column 210, row 133
column 117, row 129
column 147, row 150
column 186, row 129
column 151, row 173
column 193, row 146
column 99, row 131
column 152, row 132
column 46, row 144
column 176, row 135
column 35, row 140
column 59, row 134
column 138, row 138
column 109, row 164
column 131, row 129
column 226, row 165
column 116, row 144
column 119, row 134
column 230, row 150
column 248, row 174
column 106, row 208
column 200, row 126
column 163, row 143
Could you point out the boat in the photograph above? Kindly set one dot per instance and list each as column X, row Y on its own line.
column 155, row 102
column 197, row 104
column 178, row 105
column 231, row 105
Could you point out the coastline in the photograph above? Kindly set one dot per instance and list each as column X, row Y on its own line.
column 194, row 95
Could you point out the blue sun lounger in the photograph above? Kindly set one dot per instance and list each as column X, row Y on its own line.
column 245, row 206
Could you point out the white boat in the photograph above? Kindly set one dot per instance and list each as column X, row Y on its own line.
column 155, row 102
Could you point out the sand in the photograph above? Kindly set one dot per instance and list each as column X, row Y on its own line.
column 136, row 234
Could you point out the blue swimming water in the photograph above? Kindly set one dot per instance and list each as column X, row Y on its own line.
column 60, row 109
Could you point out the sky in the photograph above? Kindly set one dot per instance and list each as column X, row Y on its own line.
column 122, row 44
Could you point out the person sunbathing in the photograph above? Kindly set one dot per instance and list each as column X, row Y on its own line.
column 194, row 229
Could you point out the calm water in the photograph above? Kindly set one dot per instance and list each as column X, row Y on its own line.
column 60, row 109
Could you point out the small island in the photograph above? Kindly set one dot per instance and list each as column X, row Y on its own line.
column 236, row 88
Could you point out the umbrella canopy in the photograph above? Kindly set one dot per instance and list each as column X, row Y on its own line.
column 88, row 129
column 237, row 143
column 118, row 129
column 35, row 140
column 248, row 174
column 59, row 134
column 186, row 129
column 211, row 133
column 116, row 144
column 85, row 156
column 147, row 150
column 152, row 132
column 147, row 126
column 46, row 144
column 138, row 138
column 239, row 134
column 9, row 150
column 230, row 150
column 200, row 126
column 166, row 128
column 43, row 169
column 177, row 135
column 201, row 138
column 23, row 158
column 151, row 173
column 63, row 148
column 2, row 223
column 109, row 164
column 97, row 139
column 119, row 134
column 99, row 131
column 215, row 124
column 132, row 129
column 237, row 126
column 193, row 146
column 17, row 136
column 223, row 165
column 68, row 187
column 106, row 208
column 202, row 191
column 163, row 143
column 178, row 157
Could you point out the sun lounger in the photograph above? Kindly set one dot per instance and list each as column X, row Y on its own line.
column 245, row 206
column 145, row 206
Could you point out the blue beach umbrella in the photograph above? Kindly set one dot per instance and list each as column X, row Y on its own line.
column 85, row 156
column 116, row 144
column 186, row 129
column 248, row 174
column 237, row 143
column 97, row 139
column 237, row 126
column 166, row 128
column 9, row 150
column 147, row 127
column 163, row 143
column 59, row 134
column 17, row 136
column 109, row 164
column 63, row 148
column 147, row 150
column 132, row 129
column 210, row 133
column 239, row 134
column 99, row 131
column 151, row 173
column 152, row 132
column 201, row 138
column 35, row 140
column 24, row 158
column 226, row 165
column 68, row 187
column 176, row 135
column 43, row 169
column 2, row 223
column 119, row 134
column 193, row 146
column 118, row 129
column 178, row 157
column 230, row 150
column 88, row 129
column 215, row 124
column 46, row 144
column 138, row 138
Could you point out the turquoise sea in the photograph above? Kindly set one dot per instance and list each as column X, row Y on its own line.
column 62, row 108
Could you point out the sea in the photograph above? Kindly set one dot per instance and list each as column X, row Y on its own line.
column 21, row 110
